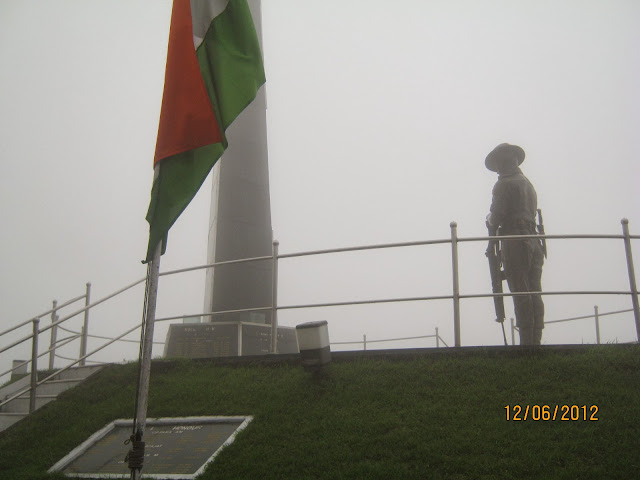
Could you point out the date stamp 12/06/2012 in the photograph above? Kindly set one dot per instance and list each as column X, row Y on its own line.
column 565, row 413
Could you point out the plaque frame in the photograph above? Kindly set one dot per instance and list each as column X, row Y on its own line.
column 167, row 421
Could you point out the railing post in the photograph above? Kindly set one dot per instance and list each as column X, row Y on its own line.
column 34, row 365
column 274, row 299
column 437, row 338
column 364, row 341
column 513, row 332
column 595, row 309
column 456, row 287
column 54, row 336
column 632, row 275
column 85, row 329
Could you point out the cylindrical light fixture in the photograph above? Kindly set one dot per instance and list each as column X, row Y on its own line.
column 313, row 341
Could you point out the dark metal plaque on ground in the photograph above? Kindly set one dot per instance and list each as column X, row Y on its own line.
column 176, row 448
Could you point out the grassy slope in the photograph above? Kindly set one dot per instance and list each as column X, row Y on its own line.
column 434, row 416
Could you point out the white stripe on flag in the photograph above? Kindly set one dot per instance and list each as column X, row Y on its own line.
column 202, row 13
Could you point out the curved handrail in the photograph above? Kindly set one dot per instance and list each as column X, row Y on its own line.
column 44, row 314
column 275, row 257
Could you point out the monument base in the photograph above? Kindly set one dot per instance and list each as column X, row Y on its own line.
column 226, row 339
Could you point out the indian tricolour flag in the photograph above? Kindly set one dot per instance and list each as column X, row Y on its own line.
column 214, row 70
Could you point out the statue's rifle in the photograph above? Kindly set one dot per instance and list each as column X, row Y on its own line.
column 541, row 232
column 497, row 276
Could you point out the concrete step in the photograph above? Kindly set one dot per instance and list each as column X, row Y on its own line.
column 45, row 393
column 8, row 419
column 13, row 388
column 78, row 372
column 21, row 404
column 56, row 387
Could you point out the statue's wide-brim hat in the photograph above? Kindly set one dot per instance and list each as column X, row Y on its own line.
column 502, row 151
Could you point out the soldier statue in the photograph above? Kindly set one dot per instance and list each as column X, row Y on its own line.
column 513, row 211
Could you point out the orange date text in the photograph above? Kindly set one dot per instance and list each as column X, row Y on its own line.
column 545, row 413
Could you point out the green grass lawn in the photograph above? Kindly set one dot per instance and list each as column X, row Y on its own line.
column 435, row 416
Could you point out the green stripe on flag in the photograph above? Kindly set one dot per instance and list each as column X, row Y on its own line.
column 179, row 179
column 231, row 61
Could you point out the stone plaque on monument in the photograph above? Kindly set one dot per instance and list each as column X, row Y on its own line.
column 176, row 448
column 256, row 339
column 202, row 340
column 226, row 339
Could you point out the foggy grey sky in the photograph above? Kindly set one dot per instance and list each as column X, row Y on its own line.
column 380, row 115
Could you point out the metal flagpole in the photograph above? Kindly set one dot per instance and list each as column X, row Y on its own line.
column 135, row 456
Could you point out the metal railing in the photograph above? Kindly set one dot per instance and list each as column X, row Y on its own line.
column 455, row 297
column 364, row 340
column 596, row 317
column 56, row 343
